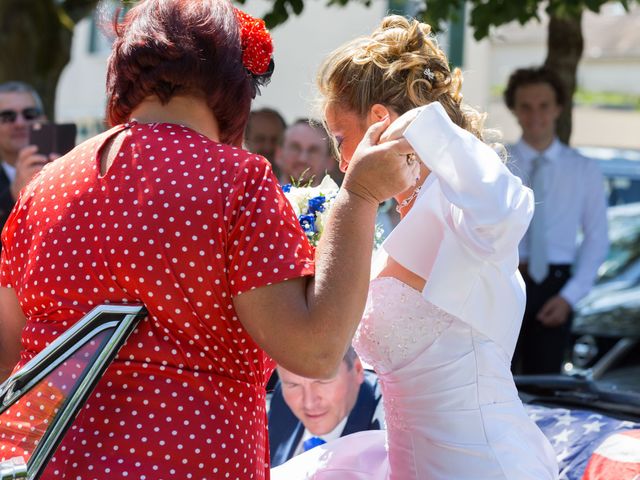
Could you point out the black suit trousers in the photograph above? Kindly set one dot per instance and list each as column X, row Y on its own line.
column 541, row 349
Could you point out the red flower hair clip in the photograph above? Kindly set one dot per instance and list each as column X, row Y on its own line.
column 257, row 46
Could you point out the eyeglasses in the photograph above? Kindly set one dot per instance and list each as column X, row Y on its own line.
column 29, row 114
column 296, row 149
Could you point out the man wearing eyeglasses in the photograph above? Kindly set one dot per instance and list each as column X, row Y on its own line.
column 20, row 106
column 306, row 154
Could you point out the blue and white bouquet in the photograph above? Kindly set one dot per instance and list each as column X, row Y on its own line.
column 312, row 204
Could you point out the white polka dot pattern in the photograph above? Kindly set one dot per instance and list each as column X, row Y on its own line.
column 183, row 225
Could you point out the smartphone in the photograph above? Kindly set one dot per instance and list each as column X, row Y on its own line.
column 50, row 138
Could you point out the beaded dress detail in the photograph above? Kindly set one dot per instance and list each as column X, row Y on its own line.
column 391, row 333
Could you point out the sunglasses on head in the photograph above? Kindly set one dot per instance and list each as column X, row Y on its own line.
column 10, row 116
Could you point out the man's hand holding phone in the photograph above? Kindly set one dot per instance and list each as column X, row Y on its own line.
column 48, row 141
column 58, row 138
column 28, row 164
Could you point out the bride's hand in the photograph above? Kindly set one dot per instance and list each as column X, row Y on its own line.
column 378, row 171
column 397, row 128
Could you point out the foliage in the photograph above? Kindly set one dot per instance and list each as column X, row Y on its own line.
column 484, row 13
column 607, row 99
column 36, row 41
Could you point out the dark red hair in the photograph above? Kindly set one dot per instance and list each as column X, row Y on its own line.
column 171, row 47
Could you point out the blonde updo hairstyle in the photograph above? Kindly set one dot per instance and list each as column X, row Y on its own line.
column 399, row 66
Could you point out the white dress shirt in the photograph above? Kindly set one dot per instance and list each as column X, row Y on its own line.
column 462, row 233
column 576, row 205
column 10, row 170
column 332, row 435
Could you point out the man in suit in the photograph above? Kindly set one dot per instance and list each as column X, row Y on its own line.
column 570, row 203
column 307, row 412
column 20, row 107
column 264, row 134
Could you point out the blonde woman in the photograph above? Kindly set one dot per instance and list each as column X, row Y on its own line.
column 446, row 300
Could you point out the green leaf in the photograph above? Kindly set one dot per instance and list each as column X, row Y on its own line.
column 297, row 6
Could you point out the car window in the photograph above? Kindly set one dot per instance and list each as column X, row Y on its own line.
column 622, row 190
column 624, row 237
column 621, row 169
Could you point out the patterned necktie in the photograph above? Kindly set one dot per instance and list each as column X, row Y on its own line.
column 538, row 258
column 312, row 443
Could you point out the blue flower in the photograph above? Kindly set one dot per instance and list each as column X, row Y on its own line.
column 286, row 188
column 316, row 204
column 308, row 223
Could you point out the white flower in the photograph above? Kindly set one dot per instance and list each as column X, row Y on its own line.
column 299, row 198
column 328, row 186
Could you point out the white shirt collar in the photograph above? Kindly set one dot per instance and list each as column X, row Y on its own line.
column 10, row 170
column 332, row 435
column 552, row 153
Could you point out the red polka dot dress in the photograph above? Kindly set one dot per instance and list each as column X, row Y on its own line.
column 183, row 225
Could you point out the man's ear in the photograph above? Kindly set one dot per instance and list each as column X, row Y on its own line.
column 359, row 369
column 377, row 112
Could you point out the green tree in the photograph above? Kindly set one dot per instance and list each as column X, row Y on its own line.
column 564, row 37
column 36, row 41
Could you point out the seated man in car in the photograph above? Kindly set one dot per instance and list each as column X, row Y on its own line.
column 307, row 412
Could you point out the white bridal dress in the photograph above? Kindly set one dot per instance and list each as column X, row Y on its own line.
column 443, row 355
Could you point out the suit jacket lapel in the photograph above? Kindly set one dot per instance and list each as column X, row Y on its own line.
column 6, row 200
column 294, row 440
column 362, row 414
column 284, row 438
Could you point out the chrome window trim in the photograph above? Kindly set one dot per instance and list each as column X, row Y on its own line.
column 76, row 337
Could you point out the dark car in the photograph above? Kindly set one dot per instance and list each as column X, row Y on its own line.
column 607, row 321
column 621, row 169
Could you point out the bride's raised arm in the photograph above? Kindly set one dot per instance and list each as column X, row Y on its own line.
column 490, row 208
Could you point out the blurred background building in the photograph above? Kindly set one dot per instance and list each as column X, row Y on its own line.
column 607, row 109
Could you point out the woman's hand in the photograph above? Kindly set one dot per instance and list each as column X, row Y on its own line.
column 379, row 169
column 396, row 130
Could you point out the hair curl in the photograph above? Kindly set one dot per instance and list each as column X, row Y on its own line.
column 165, row 48
column 389, row 67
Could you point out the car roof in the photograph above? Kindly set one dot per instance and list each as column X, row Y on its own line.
column 622, row 162
column 611, row 153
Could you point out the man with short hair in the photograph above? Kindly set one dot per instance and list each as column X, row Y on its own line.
column 264, row 134
column 569, row 201
column 306, row 154
column 308, row 412
column 20, row 107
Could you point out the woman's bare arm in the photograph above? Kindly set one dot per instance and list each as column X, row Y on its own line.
column 306, row 324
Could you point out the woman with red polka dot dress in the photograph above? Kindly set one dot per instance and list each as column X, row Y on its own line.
column 166, row 210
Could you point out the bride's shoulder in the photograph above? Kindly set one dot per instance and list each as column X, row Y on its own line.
column 386, row 267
